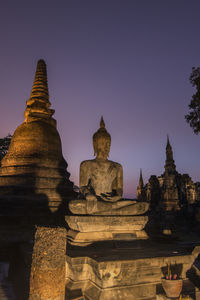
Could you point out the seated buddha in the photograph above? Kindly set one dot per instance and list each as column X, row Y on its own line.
column 101, row 183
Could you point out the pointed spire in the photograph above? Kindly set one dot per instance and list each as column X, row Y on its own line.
column 170, row 166
column 40, row 86
column 168, row 142
column 141, row 182
column 167, row 139
column 141, row 194
column 102, row 123
column 169, row 148
column 38, row 104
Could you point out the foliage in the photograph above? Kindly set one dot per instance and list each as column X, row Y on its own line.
column 193, row 118
column 4, row 145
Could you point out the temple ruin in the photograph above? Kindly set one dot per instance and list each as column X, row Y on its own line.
column 60, row 244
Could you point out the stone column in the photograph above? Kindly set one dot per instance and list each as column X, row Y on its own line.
column 47, row 277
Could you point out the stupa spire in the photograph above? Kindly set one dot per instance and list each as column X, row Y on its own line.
column 38, row 104
column 40, row 86
column 141, row 195
column 168, row 142
column 141, row 182
column 170, row 166
column 169, row 152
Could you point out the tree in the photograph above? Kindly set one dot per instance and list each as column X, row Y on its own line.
column 193, row 118
column 4, row 145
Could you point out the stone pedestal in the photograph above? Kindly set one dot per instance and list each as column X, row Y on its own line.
column 47, row 278
column 129, row 273
column 85, row 230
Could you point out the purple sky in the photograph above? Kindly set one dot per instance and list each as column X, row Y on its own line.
column 129, row 61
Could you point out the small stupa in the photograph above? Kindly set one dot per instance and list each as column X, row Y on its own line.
column 34, row 169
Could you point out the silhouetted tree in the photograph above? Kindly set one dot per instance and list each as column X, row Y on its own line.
column 193, row 118
column 4, row 145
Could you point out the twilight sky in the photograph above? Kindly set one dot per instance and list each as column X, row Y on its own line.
column 128, row 60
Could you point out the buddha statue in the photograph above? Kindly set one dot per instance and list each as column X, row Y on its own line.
column 101, row 183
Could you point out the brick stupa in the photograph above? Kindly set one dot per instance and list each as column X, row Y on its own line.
column 34, row 194
column 34, row 168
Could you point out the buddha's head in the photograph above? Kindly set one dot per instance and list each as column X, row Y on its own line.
column 101, row 141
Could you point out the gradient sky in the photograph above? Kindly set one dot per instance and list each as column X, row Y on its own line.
column 129, row 61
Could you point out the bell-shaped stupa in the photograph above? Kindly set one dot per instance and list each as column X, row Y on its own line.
column 34, row 170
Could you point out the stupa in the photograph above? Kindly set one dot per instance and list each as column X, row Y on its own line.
column 34, row 168
column 34, row 192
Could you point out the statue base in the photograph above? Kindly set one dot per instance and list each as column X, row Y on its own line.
column 126, row 272
column 85, row 230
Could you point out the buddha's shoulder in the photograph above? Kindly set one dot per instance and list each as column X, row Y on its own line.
column 114, row 163
column 87, row 162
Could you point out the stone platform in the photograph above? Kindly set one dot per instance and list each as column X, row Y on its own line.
column 85, row 230
column 126, row 270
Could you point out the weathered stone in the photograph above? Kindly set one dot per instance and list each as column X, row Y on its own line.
column 48, row 264
column 121, row 207
column 86, row 238
column 171, row 190
column 34, row 167
column 117, row 277
column 107, row 223
column 101, row 182
column 34, row 192
column 88, row 229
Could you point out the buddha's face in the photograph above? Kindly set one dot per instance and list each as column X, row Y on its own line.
column 102, row 148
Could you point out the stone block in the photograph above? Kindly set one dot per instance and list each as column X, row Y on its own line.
column 106, row 223
column 86, row 238
column 47, row 278
column 88, row 229
column 93, row 292
column 114, row 277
